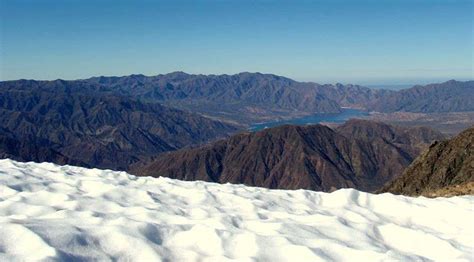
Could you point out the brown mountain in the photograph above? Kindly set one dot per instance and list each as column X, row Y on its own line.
column 103, row 131
column 412, row 140
column 446, row 168
column 293, row 157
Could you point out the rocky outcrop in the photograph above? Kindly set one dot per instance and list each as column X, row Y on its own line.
column 445, row 168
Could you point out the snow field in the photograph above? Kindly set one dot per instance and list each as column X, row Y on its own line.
column 51, row 212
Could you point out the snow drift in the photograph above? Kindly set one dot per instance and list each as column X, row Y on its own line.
column 56, row 212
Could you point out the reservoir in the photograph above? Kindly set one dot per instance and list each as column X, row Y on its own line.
column 346, row 114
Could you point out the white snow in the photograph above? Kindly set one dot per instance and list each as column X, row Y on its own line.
column 55, row 212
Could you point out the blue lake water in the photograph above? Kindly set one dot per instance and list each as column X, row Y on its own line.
column 346, row 114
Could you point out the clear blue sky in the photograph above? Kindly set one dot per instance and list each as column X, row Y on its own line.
column 380, row 41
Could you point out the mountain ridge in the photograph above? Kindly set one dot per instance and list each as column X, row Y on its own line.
column 255, row 97
column 446, row 168
column 293, row 157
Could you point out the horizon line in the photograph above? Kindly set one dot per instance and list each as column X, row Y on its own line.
column 426, row 81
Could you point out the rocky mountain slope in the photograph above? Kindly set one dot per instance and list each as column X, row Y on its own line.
column 95, row 130
column 360, row 154
column 31, row 150
column 412, row 140
column 446, row 168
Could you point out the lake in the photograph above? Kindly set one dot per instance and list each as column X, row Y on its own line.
column 346, row 114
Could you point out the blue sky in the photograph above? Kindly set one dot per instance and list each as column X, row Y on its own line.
column 366, row 42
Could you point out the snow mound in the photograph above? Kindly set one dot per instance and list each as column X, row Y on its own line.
column 56, row 212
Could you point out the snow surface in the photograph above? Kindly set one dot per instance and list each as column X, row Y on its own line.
column 69, row 213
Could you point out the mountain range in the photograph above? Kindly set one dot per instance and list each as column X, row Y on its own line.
column 359, row 154
column 130, row 122
column 254, row 97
